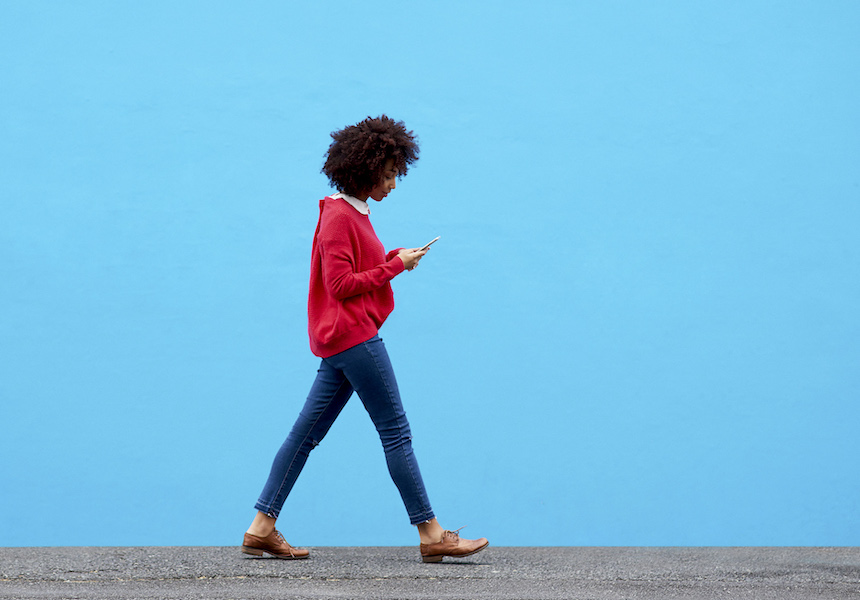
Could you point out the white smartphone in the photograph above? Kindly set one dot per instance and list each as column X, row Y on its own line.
column 430, row 243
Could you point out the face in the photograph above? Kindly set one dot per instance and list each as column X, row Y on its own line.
column 387, row 183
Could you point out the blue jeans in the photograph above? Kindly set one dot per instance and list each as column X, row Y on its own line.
column 365, row 369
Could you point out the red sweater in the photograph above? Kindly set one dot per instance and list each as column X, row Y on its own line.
column 350, row 295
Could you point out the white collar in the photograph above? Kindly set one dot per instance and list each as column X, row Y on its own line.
column 359, row 205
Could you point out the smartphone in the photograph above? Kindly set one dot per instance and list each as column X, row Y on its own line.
column 428, row 244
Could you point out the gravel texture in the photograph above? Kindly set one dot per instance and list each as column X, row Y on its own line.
column 398, row 573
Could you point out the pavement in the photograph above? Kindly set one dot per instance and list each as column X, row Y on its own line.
column 398, row 573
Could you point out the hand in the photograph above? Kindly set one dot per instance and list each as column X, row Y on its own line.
column 411, row 256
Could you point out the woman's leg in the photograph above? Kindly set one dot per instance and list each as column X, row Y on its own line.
column 327, row 397
column 369, row 371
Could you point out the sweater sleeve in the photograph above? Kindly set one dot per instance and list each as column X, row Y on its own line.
column 340, row 269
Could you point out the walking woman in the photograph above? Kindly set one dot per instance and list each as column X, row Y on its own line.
column 350, row 297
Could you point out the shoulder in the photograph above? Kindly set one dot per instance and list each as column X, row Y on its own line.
column 336, row 214
column 333, row 208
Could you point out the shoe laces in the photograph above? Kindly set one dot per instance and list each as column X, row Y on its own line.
column 280, row 536
column 456, row 532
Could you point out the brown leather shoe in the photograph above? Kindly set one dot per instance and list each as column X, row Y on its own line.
column 273, row 544
column 451, row 545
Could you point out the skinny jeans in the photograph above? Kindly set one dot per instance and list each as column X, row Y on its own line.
column 365, row 369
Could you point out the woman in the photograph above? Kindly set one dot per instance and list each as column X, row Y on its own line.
column 350, row 297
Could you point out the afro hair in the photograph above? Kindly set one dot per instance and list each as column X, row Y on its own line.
column 358, row 153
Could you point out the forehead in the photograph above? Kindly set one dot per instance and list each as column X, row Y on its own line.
column 389, row 166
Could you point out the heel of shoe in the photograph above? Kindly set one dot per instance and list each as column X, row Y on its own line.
column 252, row 551
column 432, row 559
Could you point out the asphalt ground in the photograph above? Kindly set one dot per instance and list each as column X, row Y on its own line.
column 398, row 573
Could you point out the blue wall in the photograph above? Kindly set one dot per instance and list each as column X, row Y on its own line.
column 640, row 326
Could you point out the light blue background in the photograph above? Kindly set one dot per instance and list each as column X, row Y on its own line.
column 640, row 326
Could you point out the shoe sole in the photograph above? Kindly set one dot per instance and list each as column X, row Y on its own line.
column 438, row 557
column 260, row 552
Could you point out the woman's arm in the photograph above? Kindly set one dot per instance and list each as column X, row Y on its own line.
column 341, row 278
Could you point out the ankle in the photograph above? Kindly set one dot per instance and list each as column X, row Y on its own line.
column 262, row 526
column 430, row 532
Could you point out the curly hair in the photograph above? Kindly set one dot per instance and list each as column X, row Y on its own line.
column 357, row 156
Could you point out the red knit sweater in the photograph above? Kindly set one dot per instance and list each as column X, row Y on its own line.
column 350, row 295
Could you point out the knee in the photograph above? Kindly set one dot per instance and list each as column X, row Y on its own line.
column 303, row 444
column 396, row 441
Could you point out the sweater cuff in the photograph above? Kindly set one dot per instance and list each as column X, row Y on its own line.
column 397, row 262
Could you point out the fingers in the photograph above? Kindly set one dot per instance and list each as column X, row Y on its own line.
column 411, row 257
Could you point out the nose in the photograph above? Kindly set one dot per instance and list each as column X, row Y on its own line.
column 393, row 183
